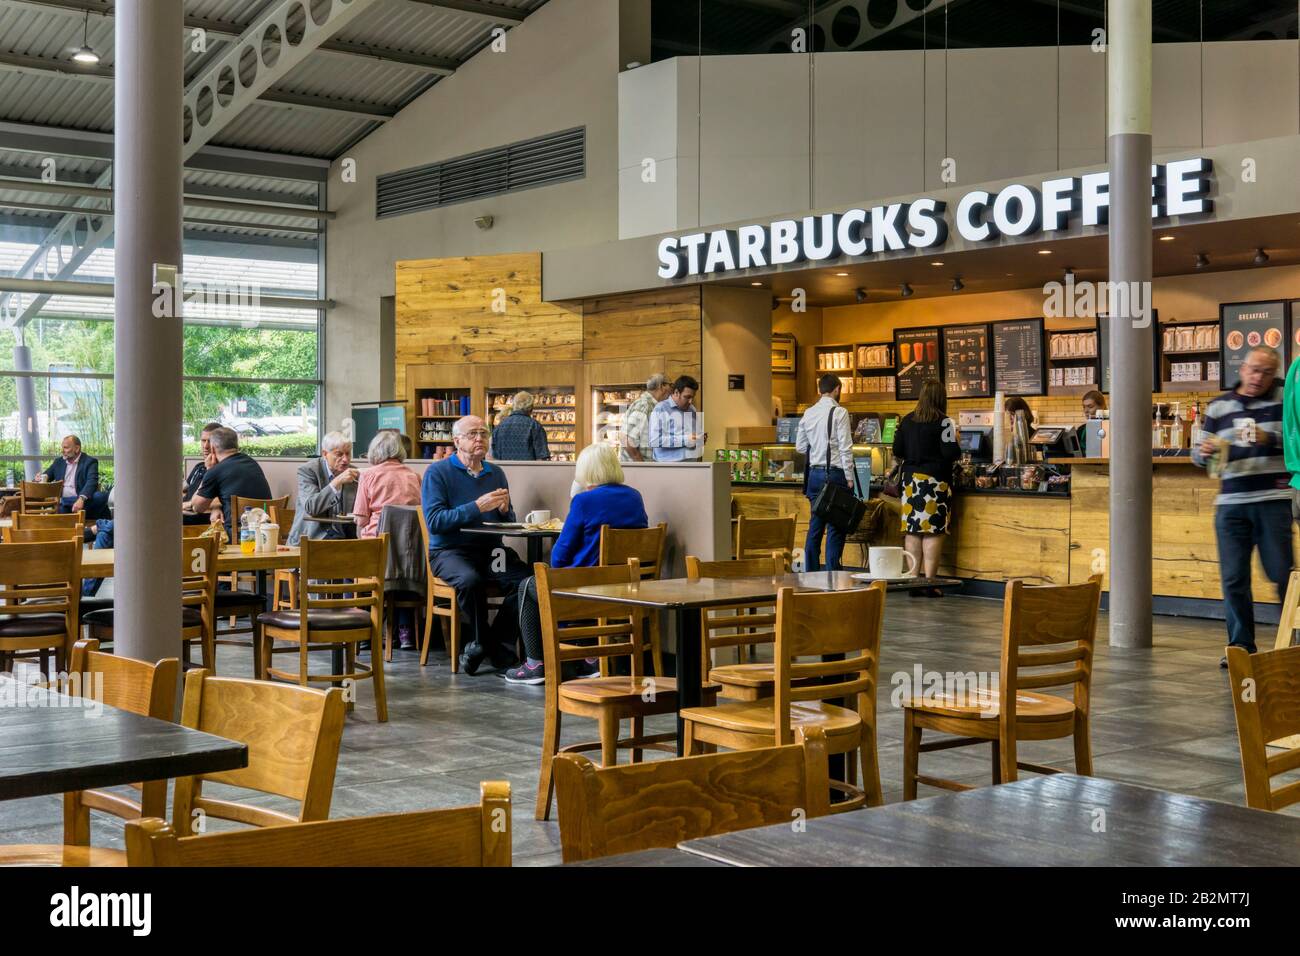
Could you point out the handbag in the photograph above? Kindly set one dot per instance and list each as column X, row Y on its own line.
column 892, row 486
column 835, row 504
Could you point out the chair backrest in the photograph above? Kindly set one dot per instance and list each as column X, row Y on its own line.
column 40, row 497
column 341, row 573
column 744, row 623
column 128, row 684
column 623, row 809
column 16, row 535
column 284, row 518
column 1043, row 628
column 1289, row 620
column 618, row 545
column 42, row 578
column 618, row 629
column 238, row 504
column 292, row 734
column 761, row 536
column 1266, row 698
column 73, row 519
column 460, row 836
column 816, row 623
column 194, row 530
column 199, row 577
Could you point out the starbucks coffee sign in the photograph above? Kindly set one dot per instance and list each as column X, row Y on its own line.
column 1179, row 188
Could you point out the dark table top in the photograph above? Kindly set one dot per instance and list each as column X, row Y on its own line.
column 57, row 744
column 651, row 858
column 1058, row 820
column 511, row 532
column 676, row 593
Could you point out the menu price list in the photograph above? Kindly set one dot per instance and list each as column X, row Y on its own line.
column 1249, row 325
column 918, row 360
column 966, row 361
column 1018, row 357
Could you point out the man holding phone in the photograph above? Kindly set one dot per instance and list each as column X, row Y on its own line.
column 462, row 491
column 1243, row 432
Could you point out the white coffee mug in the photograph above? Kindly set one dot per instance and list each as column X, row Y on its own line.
column 537, row 517
column 888, row 563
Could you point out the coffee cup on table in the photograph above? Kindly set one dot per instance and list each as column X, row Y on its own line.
column 537, row 517
column 888, row 563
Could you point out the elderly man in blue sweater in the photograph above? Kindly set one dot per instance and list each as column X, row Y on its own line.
column 463, row 491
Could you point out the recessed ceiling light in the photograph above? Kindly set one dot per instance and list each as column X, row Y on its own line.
column 1167, row 238
column 841, row 274
column 936, row 263
column 1044, row 252
column 756, row 283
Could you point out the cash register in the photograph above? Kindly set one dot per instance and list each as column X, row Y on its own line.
column 977, row 442
column 1056, row 441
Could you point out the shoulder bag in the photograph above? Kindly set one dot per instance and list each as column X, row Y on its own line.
column 836, row 504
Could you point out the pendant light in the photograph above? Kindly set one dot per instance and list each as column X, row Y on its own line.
column 86, row 55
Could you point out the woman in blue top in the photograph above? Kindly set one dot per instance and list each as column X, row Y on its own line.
column 606, row 501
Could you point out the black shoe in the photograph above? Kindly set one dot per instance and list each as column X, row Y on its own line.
column 526, row 673
column 503, row 660
column 471, row 657
column 1223, row 663
column 933, row 592
column 917, row 592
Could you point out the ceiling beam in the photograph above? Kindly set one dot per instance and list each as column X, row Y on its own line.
column 489, row 12
column 28, row 185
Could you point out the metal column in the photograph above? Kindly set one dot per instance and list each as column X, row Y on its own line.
column 147, row 183
column 29, row 421
column 1129, row 153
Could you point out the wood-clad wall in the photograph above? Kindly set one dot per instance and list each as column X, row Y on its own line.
column 664, row 322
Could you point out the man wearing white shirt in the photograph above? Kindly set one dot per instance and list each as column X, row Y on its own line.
column 812, row 442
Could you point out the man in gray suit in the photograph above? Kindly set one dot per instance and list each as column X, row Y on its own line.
column 327, row 488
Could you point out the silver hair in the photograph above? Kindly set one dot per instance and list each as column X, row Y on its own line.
column 386, row 446
column 224, row 439
column 334, row 441
column 656, row 381
column 522, row 402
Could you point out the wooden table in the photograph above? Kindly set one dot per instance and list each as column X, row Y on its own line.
column 1058, row 820
column 99, row 563
column 54, row 746
column 532, row 536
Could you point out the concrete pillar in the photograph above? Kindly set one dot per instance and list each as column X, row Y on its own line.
column 147, row 185
column 1129, row 155
column 29, row 422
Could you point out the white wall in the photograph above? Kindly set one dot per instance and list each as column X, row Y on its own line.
column 558, row 72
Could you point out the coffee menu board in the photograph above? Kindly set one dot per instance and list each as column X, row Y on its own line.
column 1018, row 360
column 1247, row 325
column 1103, row 350
column 917, row 352
column 966, row 365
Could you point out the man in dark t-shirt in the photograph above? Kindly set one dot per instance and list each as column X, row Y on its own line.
column 233, row 474
column 194, row 480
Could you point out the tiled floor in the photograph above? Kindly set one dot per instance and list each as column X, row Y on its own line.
column 1162, row 717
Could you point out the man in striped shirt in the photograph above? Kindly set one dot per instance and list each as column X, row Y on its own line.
column 1253, row 509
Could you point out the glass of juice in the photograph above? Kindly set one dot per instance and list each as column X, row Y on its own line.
column 932, row 350
column 904, row 353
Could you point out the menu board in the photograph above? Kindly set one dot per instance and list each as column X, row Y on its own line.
column 1247, row 325
column 1018, row 357
column 966, row 361
column 917, row 353
column 1103, row 350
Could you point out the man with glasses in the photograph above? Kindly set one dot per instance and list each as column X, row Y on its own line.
column 463, row 491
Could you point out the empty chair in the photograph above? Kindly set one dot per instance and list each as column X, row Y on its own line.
column 1287, row 624
column 1266, row 697
column 758, row 537
column 604, row 811
column 741, row 626
column 477, row 835
column 40, row 497
column 38, row 520
column 40, row 587
column 620, row 545
column 16, row 535
column 1043, row 628
column 843, row 624
column 292, row 734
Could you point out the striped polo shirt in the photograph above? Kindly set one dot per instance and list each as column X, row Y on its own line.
column 1255, row 472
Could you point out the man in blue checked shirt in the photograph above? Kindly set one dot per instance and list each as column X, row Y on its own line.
column 1253, row 509
column 675, row 424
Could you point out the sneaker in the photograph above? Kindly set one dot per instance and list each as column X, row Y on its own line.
column 590, row 667
column 527, row 673
column 471, row 657
column 405, row 639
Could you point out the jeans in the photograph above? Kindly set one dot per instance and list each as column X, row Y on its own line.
column 817, row 527
column 96, row 505
column 468, row 570
column 1239, row 529
column 103, row 539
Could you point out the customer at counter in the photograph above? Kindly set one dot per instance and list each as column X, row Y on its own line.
column 824, row 437
column 636, row 420
column 928, row 443
column 1253, row 509
column 520, row 437
column 675, row 433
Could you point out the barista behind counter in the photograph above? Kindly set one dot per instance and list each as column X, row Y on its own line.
column 1055, row 441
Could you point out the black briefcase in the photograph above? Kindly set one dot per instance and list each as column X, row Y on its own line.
column 837, row 505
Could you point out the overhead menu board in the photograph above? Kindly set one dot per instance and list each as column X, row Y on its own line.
column 1018, row 367
column 966, row 364
column 1247, row 325
column 917, row 353
column 1103, row 349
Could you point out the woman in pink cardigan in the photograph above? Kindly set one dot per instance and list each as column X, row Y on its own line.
column 387, row 482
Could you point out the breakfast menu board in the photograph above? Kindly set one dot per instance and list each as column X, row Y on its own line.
column 966, row 361
column 1247, row 325
column 917, row 351
column 1018, row 357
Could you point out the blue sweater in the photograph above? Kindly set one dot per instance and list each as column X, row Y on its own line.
column 448, row 493
column 578, row 545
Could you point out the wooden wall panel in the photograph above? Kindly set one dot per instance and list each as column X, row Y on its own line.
column 995, row 538
column 664, row 323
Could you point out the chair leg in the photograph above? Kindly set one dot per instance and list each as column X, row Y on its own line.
column 1082, row 747
column 689, row 744
column 377, row 675
column 1007, row 747
column 45, row 664
column 550, row 746
column 638, row 731
column 608, row 722
column 453, row 637
column 997, row 763
column 259, row 638
column 76, row 820
column 911, row 753
column 871, row 769
column 61, row 657
column 350, row 667
column 429, row 621
column 656, row 645
column 388, row 637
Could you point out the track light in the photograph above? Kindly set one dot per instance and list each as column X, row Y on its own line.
column 957, row 284
column 860, row 295
column 1261, row 257
column 86, row 55
column 906, row 290
column 1202, row 260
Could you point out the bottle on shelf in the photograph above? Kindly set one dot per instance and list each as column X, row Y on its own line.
column 1176, row 429
column 1156, row 441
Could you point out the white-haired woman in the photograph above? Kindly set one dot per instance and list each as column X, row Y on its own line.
column 387, row 482
column 606, row 501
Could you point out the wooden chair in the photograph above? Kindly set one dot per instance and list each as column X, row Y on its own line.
column 198, row 611
column 15, row 535
column 1266, row 698
column 345, row 614
column 812, row 624
column 237, row 506
column 607, row 700
column 461, row 836
column 37, row 520
column 1287, row 624
column 40, row 497
column 292, row 734
column 1042, row 628
column 620, row 545
column 40, row 587
column 604, row 811
column 746, row 625
column 284, row 576
column 193, row 530
column 440, row 602
column 759, row 537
